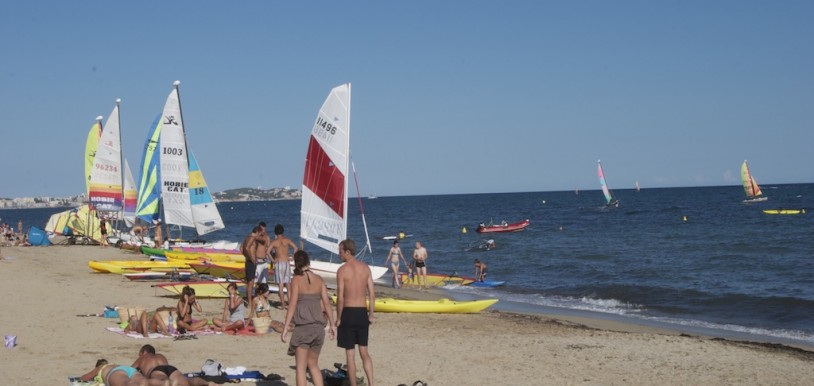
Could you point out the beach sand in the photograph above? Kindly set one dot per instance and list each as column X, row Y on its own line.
column 46, row 288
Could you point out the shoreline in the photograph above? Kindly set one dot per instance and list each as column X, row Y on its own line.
column 602, row 321
column 49, row 286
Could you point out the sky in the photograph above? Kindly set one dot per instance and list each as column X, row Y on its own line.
column 447, row 96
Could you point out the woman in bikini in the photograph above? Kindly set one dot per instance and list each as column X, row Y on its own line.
column 309, row 310
column 114, row 375
column 184, row 312
column 262, row 307
column 234, row 312
column 393, row 257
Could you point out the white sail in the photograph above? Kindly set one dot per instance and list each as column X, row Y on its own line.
column 174, row 165
column 324, row 214
column 106, row 176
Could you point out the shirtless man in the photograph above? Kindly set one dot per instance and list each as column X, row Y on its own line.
column 281, row 248
column 159, row 241
column 262, row 255
column 354, row 284
column 420, row 259
column 248, row 249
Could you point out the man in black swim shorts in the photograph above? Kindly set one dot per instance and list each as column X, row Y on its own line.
column 354, row 285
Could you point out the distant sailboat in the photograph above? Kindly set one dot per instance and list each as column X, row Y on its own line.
column 324, row 211
column 637, row 186
column 610, row 200
column 750, row 186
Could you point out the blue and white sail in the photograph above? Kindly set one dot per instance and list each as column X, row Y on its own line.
column 149, row 189
column 204, row 212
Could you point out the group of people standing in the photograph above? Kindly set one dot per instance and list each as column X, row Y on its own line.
column 309, row 312
column 304, row 297
column 417, row 267
column 260, row 251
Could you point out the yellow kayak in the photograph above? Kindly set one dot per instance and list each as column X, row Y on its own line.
column 127, row 266
column 224, row 269
column 784, row 211
column 203, row 289
column 436, row 280
column 203, row 256
column 442, row 306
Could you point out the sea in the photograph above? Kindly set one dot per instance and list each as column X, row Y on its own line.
column 696, row 259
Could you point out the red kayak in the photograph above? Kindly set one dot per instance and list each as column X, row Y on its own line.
column 503, row 227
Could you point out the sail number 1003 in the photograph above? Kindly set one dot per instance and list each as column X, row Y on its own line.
column 173, row 151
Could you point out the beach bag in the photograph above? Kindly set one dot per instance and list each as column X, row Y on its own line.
column 211, row 368
column 261, row 324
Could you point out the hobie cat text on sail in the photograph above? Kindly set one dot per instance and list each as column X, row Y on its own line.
column 174, row 186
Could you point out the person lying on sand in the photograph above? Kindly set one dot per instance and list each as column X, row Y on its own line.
column 155, row 367
column 114, row 375
column 145, row 324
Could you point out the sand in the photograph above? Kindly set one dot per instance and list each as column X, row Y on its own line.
column 46, row 288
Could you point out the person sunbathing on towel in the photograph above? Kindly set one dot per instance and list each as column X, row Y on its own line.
column 114, row 375
column 184, row 312
column 145, row 324
column 262, row 307
column 158, row 371
column 234, row 315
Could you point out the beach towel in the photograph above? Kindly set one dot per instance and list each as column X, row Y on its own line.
column 76, row 381
column 155, row 335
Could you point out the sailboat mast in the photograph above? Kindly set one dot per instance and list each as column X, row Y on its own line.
column 347, row 153
column 361, row 208
column 186, row 145
column 121, row 155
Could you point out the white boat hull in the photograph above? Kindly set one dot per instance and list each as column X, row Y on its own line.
column 327, row 270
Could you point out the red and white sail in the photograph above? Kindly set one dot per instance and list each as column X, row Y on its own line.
column 324, row 210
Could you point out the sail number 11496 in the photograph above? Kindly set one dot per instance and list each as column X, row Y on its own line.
column 327, row 128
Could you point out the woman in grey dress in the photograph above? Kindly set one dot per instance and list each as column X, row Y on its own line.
column 310, row 310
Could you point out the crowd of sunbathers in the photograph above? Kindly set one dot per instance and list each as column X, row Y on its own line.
column 149, row 369
column 233, row 319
